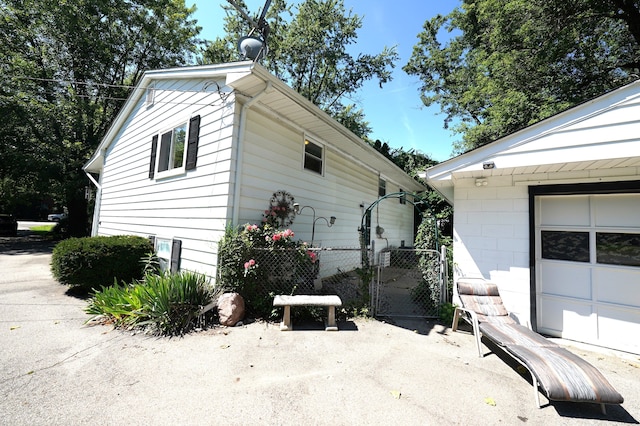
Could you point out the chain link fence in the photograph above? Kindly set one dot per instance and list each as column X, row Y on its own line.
column 410, row 283
column 337, row 271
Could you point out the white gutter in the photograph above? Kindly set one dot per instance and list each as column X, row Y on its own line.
column 239, row 157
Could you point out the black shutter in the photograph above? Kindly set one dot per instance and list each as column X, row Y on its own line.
column 176, row 248
column 152, row 162
column 192, row 147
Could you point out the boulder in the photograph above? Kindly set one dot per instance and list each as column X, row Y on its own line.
column 230, row 309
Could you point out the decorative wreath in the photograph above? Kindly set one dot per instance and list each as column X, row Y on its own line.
column 281, row 211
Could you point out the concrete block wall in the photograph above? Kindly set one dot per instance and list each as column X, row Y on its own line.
column 491, row 237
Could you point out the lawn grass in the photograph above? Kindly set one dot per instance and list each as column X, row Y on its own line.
column 42, row 229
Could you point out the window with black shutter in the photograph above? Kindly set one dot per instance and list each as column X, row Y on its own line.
column 175, row 150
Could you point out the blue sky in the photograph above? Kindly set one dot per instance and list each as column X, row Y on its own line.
column 395, row 112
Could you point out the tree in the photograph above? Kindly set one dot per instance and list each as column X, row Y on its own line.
column 67, row 67
column 513, row 63
column 308, row 51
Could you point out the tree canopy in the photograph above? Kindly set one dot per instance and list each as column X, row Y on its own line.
column 308, row 49
column 66, row 69
column 511, row 63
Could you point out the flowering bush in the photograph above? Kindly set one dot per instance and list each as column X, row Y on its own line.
column 260, row 261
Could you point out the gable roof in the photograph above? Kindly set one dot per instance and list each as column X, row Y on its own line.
column 248, row 79
column 602, row 133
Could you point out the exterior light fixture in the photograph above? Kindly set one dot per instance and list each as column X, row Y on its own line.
column 487, row 165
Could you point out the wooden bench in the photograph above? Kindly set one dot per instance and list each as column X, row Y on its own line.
column 308, row 300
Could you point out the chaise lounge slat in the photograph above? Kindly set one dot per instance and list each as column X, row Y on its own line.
column 558, row 373
column 564, row 376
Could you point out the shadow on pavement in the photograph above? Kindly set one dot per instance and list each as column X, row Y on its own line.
column 417, row 325
column 26, row 243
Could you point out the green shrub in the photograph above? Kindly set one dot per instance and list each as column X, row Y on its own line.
column 93, row 262
column 165, row 304
column 261, row 261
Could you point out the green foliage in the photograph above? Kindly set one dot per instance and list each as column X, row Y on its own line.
column 512, row 63
column 165, row 304
column 446, row 313
column 308, row 50
column 261, row 261
column 429, row 237
column 66, row 71
column 91, row 262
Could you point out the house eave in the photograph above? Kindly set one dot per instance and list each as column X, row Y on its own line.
column 238, row 69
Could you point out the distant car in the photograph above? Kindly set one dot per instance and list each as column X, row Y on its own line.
column 8, row 225
column 56, row 217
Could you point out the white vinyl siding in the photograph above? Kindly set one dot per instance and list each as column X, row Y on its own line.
column 192, row 207
column 271, row 152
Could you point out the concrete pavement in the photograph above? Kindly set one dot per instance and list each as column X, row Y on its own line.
column 55, row 370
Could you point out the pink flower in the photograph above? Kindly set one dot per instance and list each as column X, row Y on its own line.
column 276, row 237
column 246, row 265
column 312, row 256
column 252, row 262
column 288, row 233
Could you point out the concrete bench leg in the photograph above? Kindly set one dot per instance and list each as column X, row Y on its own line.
column 331, row 319
column 285, row 325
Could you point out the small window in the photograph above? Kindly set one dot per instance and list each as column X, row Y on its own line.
column 172, row 148
column 618, row 248
column 565, row 245
column 382, row 187
column 163, row 251
column 312, row 156
column 150, row 96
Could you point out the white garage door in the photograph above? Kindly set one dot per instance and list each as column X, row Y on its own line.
column 588, row 269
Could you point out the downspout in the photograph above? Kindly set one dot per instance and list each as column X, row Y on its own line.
column 240, row 156
column 96, row 207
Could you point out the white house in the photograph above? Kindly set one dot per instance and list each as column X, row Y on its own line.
column 551, row 214
column 196, row 149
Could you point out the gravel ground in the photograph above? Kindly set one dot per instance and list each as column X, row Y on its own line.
column 56, row 370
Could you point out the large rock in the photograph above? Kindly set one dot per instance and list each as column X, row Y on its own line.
column 230, row 309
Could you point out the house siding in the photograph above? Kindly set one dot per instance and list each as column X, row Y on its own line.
column 273, row 160
column 193, row 206
column 246, row 152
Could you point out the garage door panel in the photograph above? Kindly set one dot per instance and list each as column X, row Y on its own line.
column 567, row 318
column 620, row 286
column 617, row 210
column 619, row 328
column 565, row 211
column 565, row 279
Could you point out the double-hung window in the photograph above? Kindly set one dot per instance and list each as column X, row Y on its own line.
column 172, row 148
column 175, row 150
column 313, row 156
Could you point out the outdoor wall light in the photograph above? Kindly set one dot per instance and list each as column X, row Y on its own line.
column 481, row 182
column 488, row 165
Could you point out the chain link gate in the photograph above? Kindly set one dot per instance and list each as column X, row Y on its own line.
column 410, row 283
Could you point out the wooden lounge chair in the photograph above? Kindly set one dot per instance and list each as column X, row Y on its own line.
column 556, row 372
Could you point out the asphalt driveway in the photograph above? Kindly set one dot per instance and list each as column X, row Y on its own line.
column 55, row 370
